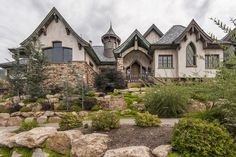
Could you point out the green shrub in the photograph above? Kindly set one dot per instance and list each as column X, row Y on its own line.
column 173, row 154
column 89, row 102
column 2, row 100
column 26, row 152
column 96, row 108
column 104, row 120
column 135, row 85
column 29, row 101
column 70, row 121
column 75, row 108
column 108, row 80
column 25, row 109
column 167, row 100
column 6, row 152
column 41, row 101
column 195, row 138
column 4, row 110
column 147, row 120
column 25, row 126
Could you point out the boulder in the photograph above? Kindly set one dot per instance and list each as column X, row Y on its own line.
column 133, row 151
column 196, row 106
column 15, row 154
column 39, row 153
column 90, row 145
column 134, row 89
column 54, row 119
column 49, row 113
column 29, row 119
column 56, row 106
column 83, row 113
column 162, row 150
column 5, row 139
column 59, row 142
column 53, row 100
column 14, row 114
column 27, row 114
column 16, row 99
column 73, row 135
column 59, row 114
column 115, row 103
column 33, row 138
column 36, row 107
column 42, row 119
column 14, row 121
column 4, row 118
column 38, row 114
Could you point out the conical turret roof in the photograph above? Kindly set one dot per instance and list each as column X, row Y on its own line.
column 111, row 33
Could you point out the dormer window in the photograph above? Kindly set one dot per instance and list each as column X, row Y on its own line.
column 58, row 54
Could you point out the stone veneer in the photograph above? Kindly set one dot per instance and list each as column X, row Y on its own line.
column 58, row 73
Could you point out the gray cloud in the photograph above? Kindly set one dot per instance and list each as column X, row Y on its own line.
column 91, row 18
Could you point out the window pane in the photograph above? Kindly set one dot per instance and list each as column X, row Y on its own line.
column 67, row 55
column 190, row 55
column 58, row 55
column 57, row 44
column 165, row 61
column 211, row 61
column 48, row 54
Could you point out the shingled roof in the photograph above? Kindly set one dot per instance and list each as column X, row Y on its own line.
column 153, row 28
column 171, row 35
column 99, row 50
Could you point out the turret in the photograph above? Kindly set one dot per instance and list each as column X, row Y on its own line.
column 110, row 41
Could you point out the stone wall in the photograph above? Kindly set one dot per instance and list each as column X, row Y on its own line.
column 59, row 73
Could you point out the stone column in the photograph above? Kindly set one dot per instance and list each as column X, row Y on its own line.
column 120, row 65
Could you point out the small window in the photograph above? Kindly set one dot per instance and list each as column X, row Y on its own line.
column 67, row 55
column 57, row 44
column 165, row 61
column 212, row 61
column 191, row 55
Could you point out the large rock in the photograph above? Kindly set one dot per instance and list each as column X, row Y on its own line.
column 42, row 119
column 49, row 113
column 4, row 118
column 90, row 145
column 133, row 151
column 36, row 107
column 73, row 135
column 83, row 113
column 59, row 143
column 15, row 154
column 5, row 139
column 29, row 119
column 14, row 121
column 196, row 106
column 15, row 99
column 39, row 153
column 27, row 114
column 54, row 119
column 114, row 103
column 33, row 138
column 162, row 150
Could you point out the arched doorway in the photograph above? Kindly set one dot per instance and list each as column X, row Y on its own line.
column 135, row 72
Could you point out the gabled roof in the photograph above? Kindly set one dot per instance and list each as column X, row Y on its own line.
column 47, row 20
column 171, row 35
column 228, row 37
column 142, row 42
column 153, row 28
column 194, row 27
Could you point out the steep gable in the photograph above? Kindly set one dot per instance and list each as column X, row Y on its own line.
column 42, row 28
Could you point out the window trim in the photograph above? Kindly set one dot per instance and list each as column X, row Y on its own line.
column 167, row 55
column 210, row 55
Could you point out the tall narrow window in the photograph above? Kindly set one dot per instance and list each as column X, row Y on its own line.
column 212, row 61
column 191, row 55
column 165, row 61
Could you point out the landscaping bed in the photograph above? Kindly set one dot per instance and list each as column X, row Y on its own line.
column 129, row 135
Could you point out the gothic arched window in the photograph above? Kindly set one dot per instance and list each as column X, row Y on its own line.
column 190, row 55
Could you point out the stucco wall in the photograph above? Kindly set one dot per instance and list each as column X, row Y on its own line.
column 57, row 32
column 166, row 73
column 152, row 37
column 199, row 70
column 135, row 55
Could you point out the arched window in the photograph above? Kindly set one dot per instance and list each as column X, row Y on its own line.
column 58, row 54
column 191, row 55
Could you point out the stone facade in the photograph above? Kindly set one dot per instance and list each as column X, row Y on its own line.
column 59, row 73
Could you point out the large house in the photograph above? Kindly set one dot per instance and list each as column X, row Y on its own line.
column 181, row 52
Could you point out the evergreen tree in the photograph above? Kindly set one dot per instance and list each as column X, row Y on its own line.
column 36, row 70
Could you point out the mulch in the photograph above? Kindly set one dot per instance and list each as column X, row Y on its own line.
column 128, row 135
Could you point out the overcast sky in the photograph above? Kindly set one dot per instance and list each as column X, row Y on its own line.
column 91, row 18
